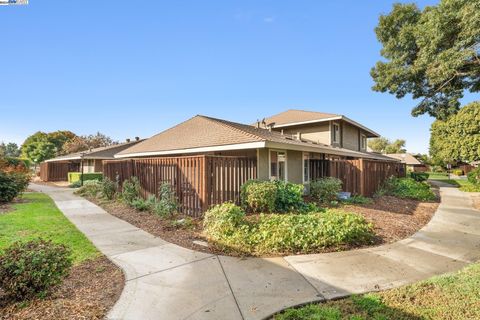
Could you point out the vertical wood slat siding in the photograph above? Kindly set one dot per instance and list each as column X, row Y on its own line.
column 57, row 171
column 198, row 181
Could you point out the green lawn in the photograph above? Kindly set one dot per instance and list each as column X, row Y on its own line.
column 452, row 296
column 464, row 185
column 39, row 217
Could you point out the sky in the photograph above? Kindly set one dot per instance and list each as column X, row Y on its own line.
column 135, row 68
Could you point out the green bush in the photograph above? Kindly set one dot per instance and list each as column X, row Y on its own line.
column 325, row 190
column 228, row 228
column 32, row 268
column 12, row 184
column 357, row 199
column 166, row 204
column 407, row 188
column 77, row 176
column 76, row 184
column 272, row 196
column 457, row 172
column 140, row 204
column 109, row 188
column 260, row 196
column 419, row 176
column 474, row 176
column 91, row 188
column 131, row 190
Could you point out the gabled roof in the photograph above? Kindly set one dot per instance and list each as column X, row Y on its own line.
column 107, row 152
column 295, row 117
column 406, row 158
column 204, row 134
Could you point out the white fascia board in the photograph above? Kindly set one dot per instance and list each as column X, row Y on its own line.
column 329, row 119
column 238, row 146
column 63, row 159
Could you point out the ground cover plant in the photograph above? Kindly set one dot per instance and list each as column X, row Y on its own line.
column 226, row 226
column 407, row 188
column 450, row 296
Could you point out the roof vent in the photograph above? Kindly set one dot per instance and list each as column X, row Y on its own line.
column 299, row 136
column 137, row 138
column 128, row 140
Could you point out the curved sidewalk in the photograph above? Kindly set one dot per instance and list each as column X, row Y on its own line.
column 165, row 281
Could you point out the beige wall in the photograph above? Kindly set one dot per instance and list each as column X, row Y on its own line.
column 319, row 132
column 294, row 166
column 262, row 164
column 351, row 137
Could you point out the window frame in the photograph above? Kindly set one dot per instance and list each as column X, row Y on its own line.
column 270, row 177
column 335, row 132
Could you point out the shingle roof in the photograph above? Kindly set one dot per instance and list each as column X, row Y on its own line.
column 107, row 152
column 406, row 158
column 295, row 116
column 202, row 132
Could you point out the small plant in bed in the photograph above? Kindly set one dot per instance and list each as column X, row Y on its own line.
column 357, row 199
column 407, row 188
column 228, row 228
column 31, row 268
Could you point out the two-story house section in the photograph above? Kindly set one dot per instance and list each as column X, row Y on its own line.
column 325, row 128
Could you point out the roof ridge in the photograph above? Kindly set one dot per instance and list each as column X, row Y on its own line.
column 231, row 124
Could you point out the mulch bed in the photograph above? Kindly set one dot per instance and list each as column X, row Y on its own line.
column 393, row 219
column 90, row 290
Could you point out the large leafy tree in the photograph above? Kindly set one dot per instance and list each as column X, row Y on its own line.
column 458, row 137
column 383, row 145
column 41, row 146
column 10, row 150
column 432, row 54
column 82, row 143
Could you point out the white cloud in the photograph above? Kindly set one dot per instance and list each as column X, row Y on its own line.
column 269, row 19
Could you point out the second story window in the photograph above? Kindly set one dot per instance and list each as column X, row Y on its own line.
column 336, row 133
column 363, row 142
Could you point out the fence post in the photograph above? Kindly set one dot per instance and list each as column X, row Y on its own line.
column 205, row 183
column 362, row 177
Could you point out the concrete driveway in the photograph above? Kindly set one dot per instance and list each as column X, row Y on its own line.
column 165, row 281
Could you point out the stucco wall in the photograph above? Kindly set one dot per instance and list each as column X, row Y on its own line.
column 350, row 137
column 294, row 166
column 262, row 164
column 319, row 132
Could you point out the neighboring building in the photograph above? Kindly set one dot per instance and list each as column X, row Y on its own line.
column 413, row 164
column 57, row 169
column 282, row 150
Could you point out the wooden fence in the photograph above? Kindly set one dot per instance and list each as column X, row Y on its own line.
column 198, row 181
column 57, row 171
column 364, row 176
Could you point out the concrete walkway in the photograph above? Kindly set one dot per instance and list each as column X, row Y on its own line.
column 165, row 281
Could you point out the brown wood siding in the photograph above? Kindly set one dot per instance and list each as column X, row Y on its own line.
column 58, row 170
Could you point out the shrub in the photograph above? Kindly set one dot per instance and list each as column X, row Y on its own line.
column 77, row 176
column 12, row 184
column 32, row 268
column 272, row 196
column 140, row 204
column 260, row 196
column 76, row 184
column 226, row 226
column 407, row 188
column 109, row 188
column 357, row 199
column 91, row 188
column 474, row 176
column 131, row 190
column 419, row 176
column 457, row 172
column 325, row 190
column 166, row 204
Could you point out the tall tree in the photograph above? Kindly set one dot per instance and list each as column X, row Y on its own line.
column 383, row 145
column 82, row 143
column 458, row 137
column 32, row 145
column 433, row 54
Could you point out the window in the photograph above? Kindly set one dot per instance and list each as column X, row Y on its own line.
column 278, row 165
column 336, row 133
column 363, row 142
column 306, row 167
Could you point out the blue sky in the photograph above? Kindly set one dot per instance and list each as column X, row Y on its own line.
column 128, row 68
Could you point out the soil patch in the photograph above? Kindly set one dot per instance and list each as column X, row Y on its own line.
column 393, row 219
column 90, row 290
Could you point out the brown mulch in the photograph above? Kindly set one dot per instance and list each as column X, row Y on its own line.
column 393, row 218
column 90, row 290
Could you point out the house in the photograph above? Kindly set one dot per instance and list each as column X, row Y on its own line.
column 413, row 164
column 207, row 160
column 90, row 161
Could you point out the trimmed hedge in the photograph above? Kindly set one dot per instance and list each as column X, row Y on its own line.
column 76, row 176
